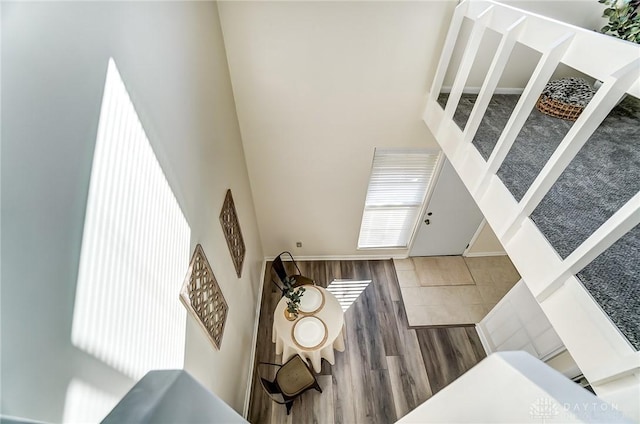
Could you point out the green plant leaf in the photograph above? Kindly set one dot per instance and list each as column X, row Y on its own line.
column 623, row 19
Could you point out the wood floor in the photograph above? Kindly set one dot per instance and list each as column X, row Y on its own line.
column 387, row 368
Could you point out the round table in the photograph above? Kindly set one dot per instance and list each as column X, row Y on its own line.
column 330, row 313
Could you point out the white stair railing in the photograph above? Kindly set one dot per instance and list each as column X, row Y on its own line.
column 603, row 354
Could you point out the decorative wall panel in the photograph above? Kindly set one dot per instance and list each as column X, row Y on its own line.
column 232, row 233
column 202, row 297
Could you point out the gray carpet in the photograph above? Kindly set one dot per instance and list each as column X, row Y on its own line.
column 613, row 279
column 603, row 176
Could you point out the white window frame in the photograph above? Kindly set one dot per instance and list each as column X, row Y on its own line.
column 399, row 182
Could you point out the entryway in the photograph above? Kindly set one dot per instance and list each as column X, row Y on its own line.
column 453, row 290
column 450, row 219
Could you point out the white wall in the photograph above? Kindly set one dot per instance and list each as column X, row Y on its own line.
column 517, row 322
column 318, row 86
column 484, row 242
column 172, row 59
column 583, row 13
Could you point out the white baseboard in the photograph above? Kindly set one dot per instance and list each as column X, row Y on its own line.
column 480, row 254
column 247, row 395
column 343, row 257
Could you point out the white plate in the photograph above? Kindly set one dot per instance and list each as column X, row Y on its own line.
column 309, row 332
column 312, row 299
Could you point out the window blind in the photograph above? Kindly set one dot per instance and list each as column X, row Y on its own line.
column 397, row 187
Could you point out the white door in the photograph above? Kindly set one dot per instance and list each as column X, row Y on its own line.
column 450, row 220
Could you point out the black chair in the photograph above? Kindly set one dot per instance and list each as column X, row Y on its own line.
column 292, row 379
column 281, row 278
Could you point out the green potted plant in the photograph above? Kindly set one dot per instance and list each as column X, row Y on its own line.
column 293, row 294
column 624, row 19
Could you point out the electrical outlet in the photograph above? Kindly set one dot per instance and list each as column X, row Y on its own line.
column 299, row 244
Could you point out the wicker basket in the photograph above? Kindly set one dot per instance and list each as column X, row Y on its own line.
column 558, row 109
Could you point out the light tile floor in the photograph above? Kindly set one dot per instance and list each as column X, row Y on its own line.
column 453, row 290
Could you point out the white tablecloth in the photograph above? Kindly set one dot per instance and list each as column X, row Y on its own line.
column 331, row 314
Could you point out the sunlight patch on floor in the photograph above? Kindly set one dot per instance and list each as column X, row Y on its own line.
column 347, row 291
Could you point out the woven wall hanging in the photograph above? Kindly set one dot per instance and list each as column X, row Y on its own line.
column 202, row 297
column 232, row 233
